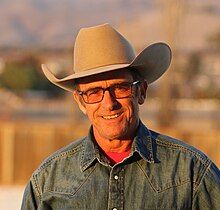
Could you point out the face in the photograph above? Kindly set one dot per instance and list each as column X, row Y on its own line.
column 112, row 118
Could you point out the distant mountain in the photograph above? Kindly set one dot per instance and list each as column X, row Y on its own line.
column 54, row 23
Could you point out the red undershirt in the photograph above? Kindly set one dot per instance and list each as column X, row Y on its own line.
column 116, row 157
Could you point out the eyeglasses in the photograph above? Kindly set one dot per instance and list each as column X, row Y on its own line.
column 118, row 91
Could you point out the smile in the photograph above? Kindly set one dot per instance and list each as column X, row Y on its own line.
column 111, row 116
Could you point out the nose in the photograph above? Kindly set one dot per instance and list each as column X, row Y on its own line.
column 109, row 102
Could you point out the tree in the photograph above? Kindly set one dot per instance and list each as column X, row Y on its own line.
column 25, row 74
column 193, row 67
column 214, row 40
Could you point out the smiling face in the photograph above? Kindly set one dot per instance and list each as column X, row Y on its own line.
column 112, row 118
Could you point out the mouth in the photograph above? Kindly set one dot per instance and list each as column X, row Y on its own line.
column 109, row 117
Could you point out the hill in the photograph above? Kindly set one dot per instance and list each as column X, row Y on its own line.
column 54, row 23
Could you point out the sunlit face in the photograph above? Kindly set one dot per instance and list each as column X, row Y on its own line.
column 112, row 118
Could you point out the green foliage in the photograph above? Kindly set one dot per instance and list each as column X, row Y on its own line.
column 25, row 74
column 17, row 77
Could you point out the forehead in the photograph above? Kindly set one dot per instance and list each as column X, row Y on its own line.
column 111, row 77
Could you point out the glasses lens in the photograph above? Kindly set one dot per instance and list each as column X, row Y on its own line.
column 93, row 95
column 122, row 90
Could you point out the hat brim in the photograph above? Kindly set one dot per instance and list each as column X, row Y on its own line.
column 151, row 63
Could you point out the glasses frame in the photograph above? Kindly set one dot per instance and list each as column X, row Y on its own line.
column 83, row 93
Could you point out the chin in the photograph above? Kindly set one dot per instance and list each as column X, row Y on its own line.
column 115, row 135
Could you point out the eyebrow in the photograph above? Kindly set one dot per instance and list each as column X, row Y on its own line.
column 118, row 83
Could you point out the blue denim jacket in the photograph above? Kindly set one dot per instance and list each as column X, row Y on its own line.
column 160, row 173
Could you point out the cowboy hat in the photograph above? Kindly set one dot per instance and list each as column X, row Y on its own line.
column 101, row 49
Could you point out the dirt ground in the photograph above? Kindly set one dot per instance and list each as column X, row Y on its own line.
column 11, row 197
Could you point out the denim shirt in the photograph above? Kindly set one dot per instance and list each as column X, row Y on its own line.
column 160, row 173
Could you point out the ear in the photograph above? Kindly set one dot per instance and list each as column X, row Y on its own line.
column 80, row 102
column 143, row 92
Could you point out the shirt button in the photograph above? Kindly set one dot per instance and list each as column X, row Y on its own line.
column 115, row 177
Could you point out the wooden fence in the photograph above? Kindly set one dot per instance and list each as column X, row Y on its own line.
column 23, row 145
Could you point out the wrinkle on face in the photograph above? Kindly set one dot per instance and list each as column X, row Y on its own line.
column 113, row 120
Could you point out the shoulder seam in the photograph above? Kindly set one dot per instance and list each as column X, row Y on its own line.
column 204, row 161
column 58, row 156
column 38, row 193
column 202, row 177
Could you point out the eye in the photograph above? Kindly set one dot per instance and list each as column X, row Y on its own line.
column 124, row 87
column 94, row 91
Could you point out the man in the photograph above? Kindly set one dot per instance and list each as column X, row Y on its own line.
column 121, row 164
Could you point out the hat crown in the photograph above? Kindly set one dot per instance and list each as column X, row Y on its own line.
column 101, row 46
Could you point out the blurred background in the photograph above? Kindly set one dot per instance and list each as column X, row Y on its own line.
column 37, row 118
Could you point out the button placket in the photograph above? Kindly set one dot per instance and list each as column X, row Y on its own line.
column 116, row 191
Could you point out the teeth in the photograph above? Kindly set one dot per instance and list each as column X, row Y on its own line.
column 110, row 117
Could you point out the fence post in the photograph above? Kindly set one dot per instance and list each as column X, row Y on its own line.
column 7, row 153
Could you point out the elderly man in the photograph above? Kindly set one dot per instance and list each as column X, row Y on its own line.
column 121, row 164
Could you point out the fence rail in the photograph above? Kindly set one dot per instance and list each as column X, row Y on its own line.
column 23, row 145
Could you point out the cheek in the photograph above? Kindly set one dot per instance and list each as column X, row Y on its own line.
column 133, row 110
column 91, row 112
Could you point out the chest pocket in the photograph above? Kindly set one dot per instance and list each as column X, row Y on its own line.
column 76, row 191
column 155, row 189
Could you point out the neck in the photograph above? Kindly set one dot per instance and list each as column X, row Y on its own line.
column 113, row 145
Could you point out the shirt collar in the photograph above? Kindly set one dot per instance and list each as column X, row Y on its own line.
column 142, row 144
column 89, row 153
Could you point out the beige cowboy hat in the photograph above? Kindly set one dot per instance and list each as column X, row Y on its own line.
column 101, row 49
